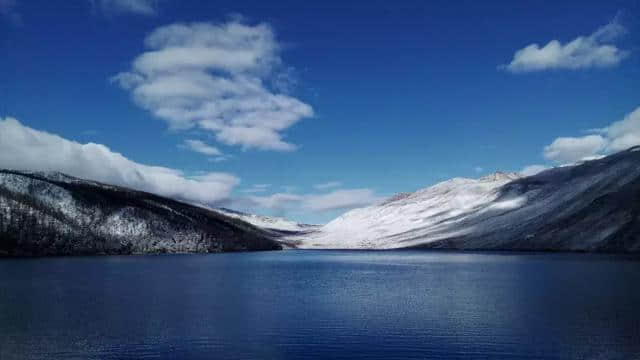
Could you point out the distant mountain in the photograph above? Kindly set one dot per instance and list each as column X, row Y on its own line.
column 55, row 214
column 592, row 206
column 279, row 225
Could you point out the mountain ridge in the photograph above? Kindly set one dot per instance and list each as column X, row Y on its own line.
column 590, row 206
column 50, row 213
column 553, row 210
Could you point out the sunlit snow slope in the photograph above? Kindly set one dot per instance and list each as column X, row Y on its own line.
column 593, row 206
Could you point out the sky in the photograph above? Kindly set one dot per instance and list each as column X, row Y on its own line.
column 309, row 109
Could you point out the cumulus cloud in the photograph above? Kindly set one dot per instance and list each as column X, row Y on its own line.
column 201, row 147
column 24, row 148
column 572, row 149
column 618, row 136
column 139, row 7
column 625, row 133
column 328, row 185
column 593, row 51
column 216, row 77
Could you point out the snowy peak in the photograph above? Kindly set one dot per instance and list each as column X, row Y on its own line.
column 396, row 197
column 273, row 223
column 501, row 176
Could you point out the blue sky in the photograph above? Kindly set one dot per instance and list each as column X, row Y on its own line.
column 372, row 98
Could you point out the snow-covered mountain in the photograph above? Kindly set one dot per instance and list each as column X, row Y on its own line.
column 593, row 206
column 272, row 223
column 56, row 214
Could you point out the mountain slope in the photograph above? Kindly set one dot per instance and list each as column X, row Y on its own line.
column 594, row 206
column 55, row 214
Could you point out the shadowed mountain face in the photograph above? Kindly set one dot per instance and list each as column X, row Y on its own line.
column 593, row 206
column 54, row 214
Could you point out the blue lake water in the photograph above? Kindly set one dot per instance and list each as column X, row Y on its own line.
column 322, row 304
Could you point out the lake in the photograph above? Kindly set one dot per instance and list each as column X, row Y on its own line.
column 322, row 304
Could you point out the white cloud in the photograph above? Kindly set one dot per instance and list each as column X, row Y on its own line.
column 256, row 188
column 278, row 201
column 139, row 7
column 328, row 185
column 618, row 136
column 572, row 149
column 593, row 51
column 24, row 148
column 252, row 190
column 220, row 158
column 533, row 170
column 201, row 147
column 340, row 200
column 335, row 200
column 216, row 77
column 253, row 137
column 625, row 133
